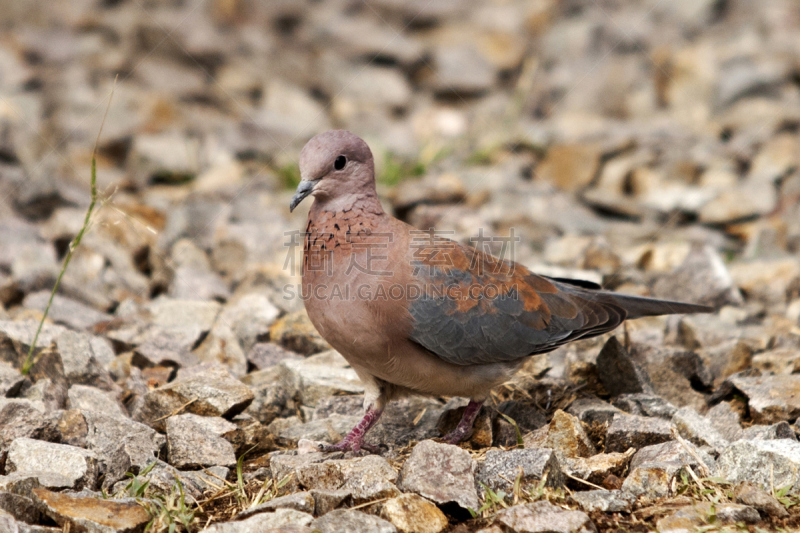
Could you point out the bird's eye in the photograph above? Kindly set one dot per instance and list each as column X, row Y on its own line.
column 340, row 162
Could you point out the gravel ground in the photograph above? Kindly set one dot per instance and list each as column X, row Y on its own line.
column 650, row 146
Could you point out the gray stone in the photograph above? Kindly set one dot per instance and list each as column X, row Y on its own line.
column 299, row 501
column 80, row 466
column 320, row 376
column 544, row 517
column 645, row 404
column 121, row 444
column 702, row 278
column 194, row 441
column 9, row 525
column 653, row 479
column 330, row 429
column 760, row 500
column 684, row 453
column 765, row 462
column 214, row 393
column 25, row 418
column 20, row 507
column 84, row 358
column 618, row 372
column 326, row 500
column 442, row 473
column 770, row 399
column 461, row 70
column 23, row 483
column 66, row 311
column 365, row 479
column 499, row 469
column 89, row 398
column 781, row 430
column 604, row 501
column 630, row 431
column 11, row 380
column 273, row 394
column 190, row 283
column 274, row 521
column 697, row 429
column 593, row 411
column 597, row 468
column 341, row 520
column 266, row 354
column 725, row 420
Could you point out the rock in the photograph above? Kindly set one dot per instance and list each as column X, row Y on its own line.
column 644, row 404
column 89, row 398
column 765, row 462
column 214, row 393
column 79, row 466
column 750, row 494
column 697, row 429
column 66, row 311
column 11, row 380
column 544, row 517
column 194, row 441
column 189, row 283
column 631, row 431
column 279, row 520
column 781, row 430
column 766, row 279
column 748, row 200
column 326, row 500
column 725, row 420
column 299, row 501
column 702, row 278
column 348, row 520
column 597, row 468
column 442, row 473
column 274, row 393
column 697, row 515
column 20, row 507
column 121, row 444
column 570, row 167
column 321, row 376
column 461, row 70
column 84, row 358
column 499, row 469
column 330, row 429
column 165, row 157
column 593, row 411
column 25, row 418
column 567, row 438
column 23, row 483
column 683, row 453
column 365, row 479
column 93, row 515
column 652, row 479
column 618, row 372
column 266, row 354
column 770, row 399
column 604, row 501
column 296, row 333
column 410, row 513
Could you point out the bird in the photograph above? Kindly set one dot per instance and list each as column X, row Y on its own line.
column 415, row 313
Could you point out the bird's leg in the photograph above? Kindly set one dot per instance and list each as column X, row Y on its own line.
column 465, row 424
column 355, row 439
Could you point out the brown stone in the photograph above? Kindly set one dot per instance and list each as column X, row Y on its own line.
column 86, row 514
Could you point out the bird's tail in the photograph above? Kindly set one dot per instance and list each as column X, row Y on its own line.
column 639, row 306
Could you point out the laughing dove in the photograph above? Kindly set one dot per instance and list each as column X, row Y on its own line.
column 414, row 313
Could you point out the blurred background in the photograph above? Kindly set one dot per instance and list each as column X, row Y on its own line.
column 649, row 145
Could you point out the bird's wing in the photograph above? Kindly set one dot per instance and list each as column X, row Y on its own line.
column 475, row 309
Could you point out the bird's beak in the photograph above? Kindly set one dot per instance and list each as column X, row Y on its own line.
column 304, row 189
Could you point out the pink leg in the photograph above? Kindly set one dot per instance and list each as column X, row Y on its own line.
column 465, row 424
column 355, row 439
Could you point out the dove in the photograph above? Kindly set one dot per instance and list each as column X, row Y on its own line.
column 415, row 313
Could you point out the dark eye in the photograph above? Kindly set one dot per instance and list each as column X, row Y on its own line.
column 340, row 162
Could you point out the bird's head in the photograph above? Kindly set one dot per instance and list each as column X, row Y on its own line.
column 335, row 167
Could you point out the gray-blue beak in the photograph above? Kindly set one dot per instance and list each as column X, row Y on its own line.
column 304, row 189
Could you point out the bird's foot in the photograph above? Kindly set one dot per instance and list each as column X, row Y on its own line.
column 354, row 441
column 464, row 426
